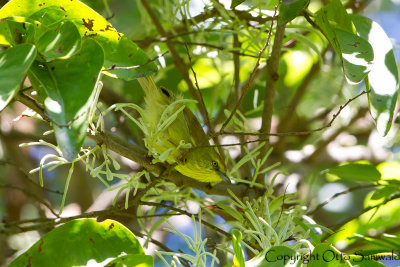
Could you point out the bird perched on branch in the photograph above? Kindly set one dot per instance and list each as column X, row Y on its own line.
column 174, row 135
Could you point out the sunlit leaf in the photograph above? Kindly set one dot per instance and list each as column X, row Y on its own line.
column 80, row 241
column 356, row 171
column 282, row 256
column 355, row 52
column 336, row 13
column 5, row 34
column 381, row 195
column 22, row 30
column 69, row 93
column 321, row 19
column 236, row 239
column 14, row 64
column 119, row 50
column 390, row 169
column 132, row 260
column 383, row 79
column 289, row 11
column 61, row 43
column 357, row 55
column 235, row 3
column 327, row 255
column 305, row 227
column 365, row 261
column 17, row 30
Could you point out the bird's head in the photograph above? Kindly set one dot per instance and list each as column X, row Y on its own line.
column 203, row 164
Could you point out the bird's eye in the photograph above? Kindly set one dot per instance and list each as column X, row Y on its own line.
column 215, row 164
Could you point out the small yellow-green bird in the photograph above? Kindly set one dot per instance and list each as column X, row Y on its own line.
column 173, row 134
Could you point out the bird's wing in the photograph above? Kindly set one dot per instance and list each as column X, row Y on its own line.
column 197, row 133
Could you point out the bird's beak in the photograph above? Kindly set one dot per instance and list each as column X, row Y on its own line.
column 224, row 177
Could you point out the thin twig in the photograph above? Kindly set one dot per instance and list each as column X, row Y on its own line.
column 282, row 207
column 338, row 226
column 150, row 60
column 36, row 107
column 26, row 176
column 31, row 195
column 183, row 212
column 186, row 25
column 349, row 190
column 320, row 147
column 300, row 132
column 207, row 118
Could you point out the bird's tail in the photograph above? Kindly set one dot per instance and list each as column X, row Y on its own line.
column 150, row 89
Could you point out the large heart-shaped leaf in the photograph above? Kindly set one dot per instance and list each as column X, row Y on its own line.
column 18, row 30
column 79, row 242
column 61, row 43
column 14, row 64
column 69, row 88
column 119, row 50
column 327, row 255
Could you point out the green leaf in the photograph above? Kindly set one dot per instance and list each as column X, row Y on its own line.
column 236, row 239
column 235, row 3
column 231, row 211
column 315, row 239
column 357, row 55
column 61, row 43
column 356, row 171
column 365, row 261
column 383, row 79
column 5, row 34
column 21, row 29
column 119, row 50
column 132, row 260
column 328, row 256
column 384, row 193
column 69, row 88
column 336, row 13
column 384, row 243
column 322, row 21
column 14, row 64
column 287, row 12
column 381, row 195
column 370, row 52
column 79, row 241
column 278, row 256
column 18, row 30
column 49, row 15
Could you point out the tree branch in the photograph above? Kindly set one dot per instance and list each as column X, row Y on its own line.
column 349, row 190
column 270, row 89
column 329, row 124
